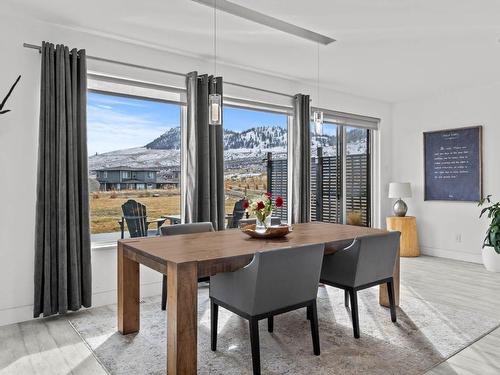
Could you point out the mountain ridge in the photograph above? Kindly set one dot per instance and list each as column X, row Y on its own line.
column 255, row 137
column 247, row 147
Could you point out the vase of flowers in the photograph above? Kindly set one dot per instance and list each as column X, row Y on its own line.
column 262, row 208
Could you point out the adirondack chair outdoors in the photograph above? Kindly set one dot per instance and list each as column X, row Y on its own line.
column 233, row 220
column 135, row 215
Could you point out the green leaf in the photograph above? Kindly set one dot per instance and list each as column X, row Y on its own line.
column 486, row 241
column 483, row 211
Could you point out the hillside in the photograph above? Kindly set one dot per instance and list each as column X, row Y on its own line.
column 170, row 140
column 244, row 149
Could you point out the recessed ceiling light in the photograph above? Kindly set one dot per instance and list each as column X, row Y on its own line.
column 264, row 19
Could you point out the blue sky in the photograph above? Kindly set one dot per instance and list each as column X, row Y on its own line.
column 238, row 119
column 116, row 122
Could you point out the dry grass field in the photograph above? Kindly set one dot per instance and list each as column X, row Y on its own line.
column 105, row 207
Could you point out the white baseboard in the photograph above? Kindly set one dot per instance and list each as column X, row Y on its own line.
column 16, row 314
column 452, row 254
column 19, row 314
column 109, row 297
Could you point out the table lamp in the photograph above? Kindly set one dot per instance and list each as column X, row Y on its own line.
column 400, row 190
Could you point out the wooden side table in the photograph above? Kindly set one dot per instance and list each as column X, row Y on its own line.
column 407, row 225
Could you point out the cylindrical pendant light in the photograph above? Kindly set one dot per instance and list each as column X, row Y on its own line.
column 318, row 115
column 318, row 122
column 215, row 109
column 215, row 100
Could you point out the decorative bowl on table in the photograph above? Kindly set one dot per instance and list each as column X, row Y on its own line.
column 274, row 231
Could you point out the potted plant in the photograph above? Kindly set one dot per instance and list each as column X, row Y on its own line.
column 262, row 209
column 491, row 244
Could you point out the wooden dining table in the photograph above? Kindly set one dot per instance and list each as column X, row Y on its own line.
column 185, row 258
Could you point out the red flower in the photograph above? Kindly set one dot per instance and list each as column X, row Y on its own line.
column 279, row 202
column 269, row 194
column 245, row 204
column 260, row 205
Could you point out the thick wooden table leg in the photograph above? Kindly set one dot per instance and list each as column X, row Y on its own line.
column 128, row 293
column 182, row 319
column 383, row 296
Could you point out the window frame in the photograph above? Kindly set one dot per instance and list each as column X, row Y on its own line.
column 369, row 181
column 104, row 84
column 257, row 106
column 361, row 122
column 114, row 86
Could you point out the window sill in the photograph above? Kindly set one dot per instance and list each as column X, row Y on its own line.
column 108, row 241
column 98, row 246
column 104, row 241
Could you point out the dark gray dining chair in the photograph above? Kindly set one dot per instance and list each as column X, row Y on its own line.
column 172, row 230
column 275, row 282
column 367, row 262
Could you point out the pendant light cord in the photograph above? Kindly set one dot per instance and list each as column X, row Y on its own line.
column 317, row 74
column 215, row 38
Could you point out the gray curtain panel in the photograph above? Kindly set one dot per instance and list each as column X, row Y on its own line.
column 300, row 154
column 203, row 145
column 62, row 239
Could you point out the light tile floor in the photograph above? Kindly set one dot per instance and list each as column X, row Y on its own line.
column 52, row 346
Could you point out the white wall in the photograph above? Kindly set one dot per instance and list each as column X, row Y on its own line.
column 18, row 148
column 440, row 223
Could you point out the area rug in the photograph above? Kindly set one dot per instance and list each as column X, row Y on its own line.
column 423, row 336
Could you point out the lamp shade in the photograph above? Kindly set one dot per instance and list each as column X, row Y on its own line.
column 399, row 190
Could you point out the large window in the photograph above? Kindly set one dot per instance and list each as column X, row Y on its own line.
column 326, row 170
column 340, row 175
column 255, row 147
column 134, row 153
column 357, row 176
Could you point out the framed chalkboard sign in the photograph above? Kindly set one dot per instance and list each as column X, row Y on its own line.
column 453, row 164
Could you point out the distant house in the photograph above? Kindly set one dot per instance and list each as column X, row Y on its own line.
column 126, row 178
column 171, row 178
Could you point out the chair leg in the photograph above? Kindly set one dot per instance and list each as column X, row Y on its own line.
column 308, row 312
column 270, row 324
column 315, row 328
column 354, row 312
column 214, row 316
column 254, row 342
column 164, row 293
column 392, row 303
column 346, row 298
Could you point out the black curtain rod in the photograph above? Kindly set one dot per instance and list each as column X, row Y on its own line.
column 39, row 49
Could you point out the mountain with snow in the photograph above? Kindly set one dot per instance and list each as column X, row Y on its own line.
column 137, row 157
column 242, row 149
column 257, row 137
column 170, row 140
column 264, row 137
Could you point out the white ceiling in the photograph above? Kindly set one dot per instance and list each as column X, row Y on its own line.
column 392, row 50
